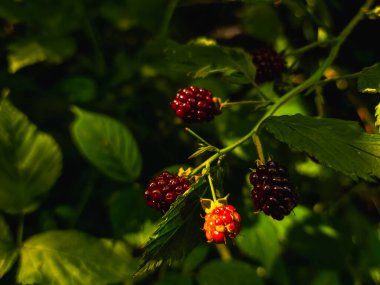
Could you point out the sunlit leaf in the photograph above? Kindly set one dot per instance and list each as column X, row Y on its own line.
column 255, row 242
column 8, row 249
column 195, row 258
column 28, row 52
column 219, row 272
column 30, row 161
column 72, row 257
column 178, row 232
column 369, row 79
column 108, row 144
column 339, row 144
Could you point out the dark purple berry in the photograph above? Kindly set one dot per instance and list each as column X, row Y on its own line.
column 269, row 64
column 195, row 104
column 272, row 192
column 164, row 189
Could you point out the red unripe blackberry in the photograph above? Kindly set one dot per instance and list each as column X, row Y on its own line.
column 195, row 104
column 272, row 192
column 221, row 223
column 269, row 64
column 164, row 189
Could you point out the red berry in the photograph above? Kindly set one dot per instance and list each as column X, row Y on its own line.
column 221, row 223
column 272, row 192
column 195, row 104
column 164, row 189
column 269, row 64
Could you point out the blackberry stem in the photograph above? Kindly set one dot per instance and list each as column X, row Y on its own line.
column 223, row 251
column 211, row 186
column 197, row 136
column 258, row 103
column 259, row 148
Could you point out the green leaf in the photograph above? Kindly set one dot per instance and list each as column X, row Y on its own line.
column 108, row 144
column 29, row 52
column 128, row 210
column 339, row 144
column 369, row 79
column 8, row 249
column 78, row 89
column 200, row 60
column 255, row 242
column 173, row 278
column 195, row 258
column 219, row 272
column 178, row 232
column 262, row 22
column 323, row 277
column 72, row 257
column 30, row 161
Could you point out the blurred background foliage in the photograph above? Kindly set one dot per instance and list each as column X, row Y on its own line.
column 109, row 57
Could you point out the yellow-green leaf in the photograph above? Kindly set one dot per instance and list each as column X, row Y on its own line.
column 73, row 258
column 30, row 161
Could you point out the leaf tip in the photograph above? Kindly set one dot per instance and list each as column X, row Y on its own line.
column 76, row 110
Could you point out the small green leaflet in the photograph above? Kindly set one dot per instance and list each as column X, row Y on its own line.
column 107, row 144
column 369, row 79
column 30, row 161
column 73, row 258
column 8, row 249
column 199, row 60
column 339, row 144
column 178, row 232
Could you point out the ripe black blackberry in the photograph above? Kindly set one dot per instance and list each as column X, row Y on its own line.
column 269, row 64
column 164, row 189
column 194, row 104
column 272, row 192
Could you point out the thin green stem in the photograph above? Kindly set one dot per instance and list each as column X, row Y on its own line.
column 315, row 77
column 197, row 136
column 167, row 17
column 346, row 76
column 86, row 194
column 20, row 230
column 237, row 103
column 211, row 187
column 310, row 47
column 224, row 252
column 261, row 93
column 259, row 148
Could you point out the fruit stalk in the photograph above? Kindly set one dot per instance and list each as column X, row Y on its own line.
column 212, row 187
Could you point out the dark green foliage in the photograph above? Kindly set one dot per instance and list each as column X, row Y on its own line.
column 85, row 123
